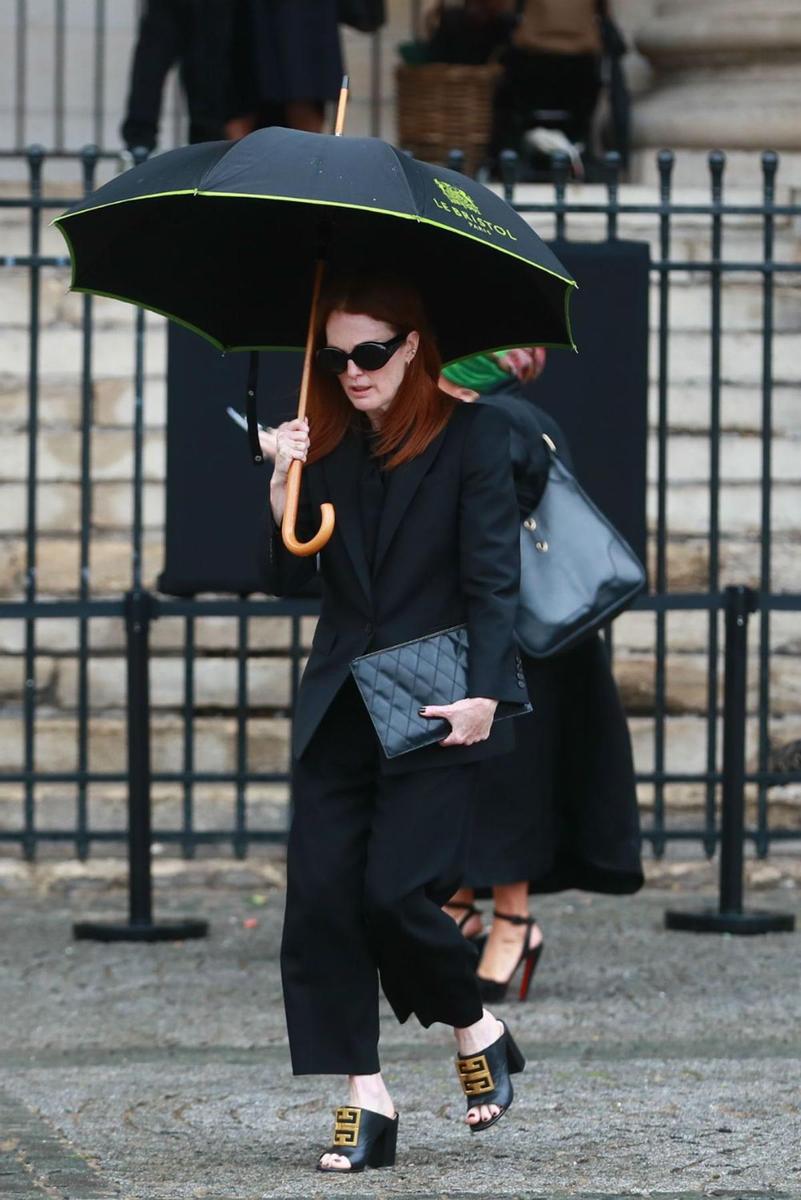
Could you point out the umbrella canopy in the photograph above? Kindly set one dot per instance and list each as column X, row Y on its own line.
column 223, row 237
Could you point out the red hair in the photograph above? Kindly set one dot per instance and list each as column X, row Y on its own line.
column 420, row 409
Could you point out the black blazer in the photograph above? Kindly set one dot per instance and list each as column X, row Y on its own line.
column 447, row 552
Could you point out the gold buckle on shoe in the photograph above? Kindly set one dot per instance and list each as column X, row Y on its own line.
column 346, row 1129
column 475, row 1075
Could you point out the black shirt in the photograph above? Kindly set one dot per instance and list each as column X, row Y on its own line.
column 372, row 489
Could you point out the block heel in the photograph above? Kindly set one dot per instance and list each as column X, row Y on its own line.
column 514, row 1056
column 382, row 1152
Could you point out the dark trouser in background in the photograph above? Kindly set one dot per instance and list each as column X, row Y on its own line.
column 371, row 858
column 197, row 34
column 533, row 83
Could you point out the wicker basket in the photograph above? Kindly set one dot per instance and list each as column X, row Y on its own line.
column 443, row 107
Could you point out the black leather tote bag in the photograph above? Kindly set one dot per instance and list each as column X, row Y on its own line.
column 576, row 571
column 397, row 682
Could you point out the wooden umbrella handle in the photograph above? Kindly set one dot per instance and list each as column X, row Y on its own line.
column 327, row 515
column 323, row 535
column 327, row 518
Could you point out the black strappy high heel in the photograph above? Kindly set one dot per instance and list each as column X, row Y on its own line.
column 469, row 911
column 494, row 990
column 367, row 1138
column 486, row 1077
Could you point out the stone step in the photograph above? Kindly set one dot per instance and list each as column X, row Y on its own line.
column 686, row 739
column 687, row 683
column 267, row 744
column 59, row 456
column 687, row 563
column 742, row 303
column 688, row 505
column 110, row 564
column 59, row 635
column 690, row 233
column 215, row 683
column 215, row 742
column 268, row 682
column 743, row 170
column 739, row 508
column 740, row 408
column 60, row 351
column 689, row 357
column 60, row 401
column 267, row 809
column 687, row 631
column 57, row 305
column 689, row 297
column 634, row 633
column 58, row 507
column 58, row 560
column 740, row 458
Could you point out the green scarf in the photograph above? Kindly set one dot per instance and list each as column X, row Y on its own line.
column 480, row 373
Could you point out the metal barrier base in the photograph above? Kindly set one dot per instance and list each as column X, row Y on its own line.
column 742, row 923
column 126, row 931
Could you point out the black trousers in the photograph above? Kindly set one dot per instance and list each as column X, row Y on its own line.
column 197, row 34
column 531, row 81
column 371, row 859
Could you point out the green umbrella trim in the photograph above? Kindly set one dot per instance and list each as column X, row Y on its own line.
column 224, row 349
column 59, row 222
column 388, row 212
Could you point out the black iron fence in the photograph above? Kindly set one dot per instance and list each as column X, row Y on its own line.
column 59, row 790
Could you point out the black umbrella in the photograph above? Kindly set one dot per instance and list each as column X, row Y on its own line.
column 227, row 237
column 224, row 236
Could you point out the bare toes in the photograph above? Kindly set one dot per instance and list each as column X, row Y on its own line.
column 337, row 1161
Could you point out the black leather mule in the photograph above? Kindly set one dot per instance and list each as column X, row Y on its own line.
column 486, row 1077
column 367, row 1138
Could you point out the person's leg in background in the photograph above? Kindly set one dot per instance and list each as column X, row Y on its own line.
column 158, row 47
column 537, row 87
column 308, row 115
column 512, row 933
column 205, row 67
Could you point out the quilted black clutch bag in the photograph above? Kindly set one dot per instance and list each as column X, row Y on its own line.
column 398, row 681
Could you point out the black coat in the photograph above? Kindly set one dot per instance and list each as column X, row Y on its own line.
column 561, row 810
column 447, row 552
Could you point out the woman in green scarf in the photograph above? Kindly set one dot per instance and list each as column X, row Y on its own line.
column 560, row 811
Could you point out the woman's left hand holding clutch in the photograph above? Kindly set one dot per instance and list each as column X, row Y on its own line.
column 470, row 720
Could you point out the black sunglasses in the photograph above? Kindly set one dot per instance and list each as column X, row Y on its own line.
column 368, row 356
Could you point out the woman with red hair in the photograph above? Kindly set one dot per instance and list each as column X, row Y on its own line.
column 426, row 538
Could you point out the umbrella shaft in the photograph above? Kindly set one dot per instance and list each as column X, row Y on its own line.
column 339, row 126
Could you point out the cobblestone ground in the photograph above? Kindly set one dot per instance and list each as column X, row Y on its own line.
column 658, row 1062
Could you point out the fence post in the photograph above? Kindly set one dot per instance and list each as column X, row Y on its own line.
column 140, row 926
column 730, row 916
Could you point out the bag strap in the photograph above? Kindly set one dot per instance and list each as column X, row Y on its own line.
column 250, row 409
